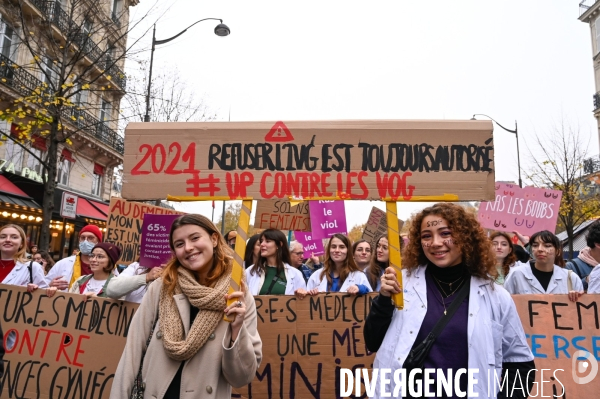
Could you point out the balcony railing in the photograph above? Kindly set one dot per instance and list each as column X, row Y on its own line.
column 25, row 83
column 596, row 101
column 56, row 15
column 586, row 5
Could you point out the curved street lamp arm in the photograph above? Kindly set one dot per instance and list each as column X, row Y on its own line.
column 183, row 31
column 495, row 121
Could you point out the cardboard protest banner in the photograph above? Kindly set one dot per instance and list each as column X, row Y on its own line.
column 124, row 226
column 281, row 215
column 61, row 347
column 155, row 249
column 327, row 218
column 64, row 347
column 366, row 160
column 526, row 210
column 377, row 226
column 310, row 246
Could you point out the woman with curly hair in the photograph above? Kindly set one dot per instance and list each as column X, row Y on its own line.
column 192, row 351
column 547, row 274
column 339, row 272
column 448, row 256
column 505, row 254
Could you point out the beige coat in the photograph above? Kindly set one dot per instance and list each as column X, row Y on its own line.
column 209, row 374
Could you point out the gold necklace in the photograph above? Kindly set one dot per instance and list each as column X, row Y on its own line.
column 452, row 293
column 449, row 284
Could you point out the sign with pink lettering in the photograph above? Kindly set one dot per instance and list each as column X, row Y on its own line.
column 526, row 210
column 327, row 218
column 310, row 247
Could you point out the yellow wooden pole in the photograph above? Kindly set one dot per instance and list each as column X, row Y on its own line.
column 394, row 249
column 240, row 250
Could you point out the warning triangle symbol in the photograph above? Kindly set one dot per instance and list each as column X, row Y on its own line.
column 278, row 133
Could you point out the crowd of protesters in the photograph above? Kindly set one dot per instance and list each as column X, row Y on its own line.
column 447, row 256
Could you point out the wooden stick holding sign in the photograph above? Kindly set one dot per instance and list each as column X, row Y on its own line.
column 240, row 249
column 394, row 249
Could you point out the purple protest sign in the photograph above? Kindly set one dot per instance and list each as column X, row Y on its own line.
column 327, row 218
column 154, row 248
column 310, row 247
column 525, row 210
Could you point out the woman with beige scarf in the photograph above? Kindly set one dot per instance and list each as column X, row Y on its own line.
column 193, row 352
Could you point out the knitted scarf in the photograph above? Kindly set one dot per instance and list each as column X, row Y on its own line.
column 587, row 257
column 210, row 301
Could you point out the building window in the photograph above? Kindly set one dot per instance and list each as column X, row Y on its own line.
column 64, row 167
column 97, row 182
column 50, row 72
column 7, row 40
column 116, row 9
column 33, row 163
column 105, row 112
column 597, row 29
column 14, row 155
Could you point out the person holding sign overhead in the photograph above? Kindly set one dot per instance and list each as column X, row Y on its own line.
column 178, row 344
column 15, row 269
column 448, row 272
column 273, row 274
column 133, row 282
column 339, row 273
column 547, row 274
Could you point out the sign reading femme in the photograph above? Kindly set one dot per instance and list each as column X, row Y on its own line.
column 358, row 160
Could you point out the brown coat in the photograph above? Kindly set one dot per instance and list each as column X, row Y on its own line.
column 209, row 374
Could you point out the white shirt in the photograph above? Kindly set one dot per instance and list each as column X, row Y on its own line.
column 354, row 278
column 19, row 275
column 131, row 283
column 521, row 280
column 93, row 285
column 64, row 268
column 594, row 281
column 293, row 276
column 495, row 333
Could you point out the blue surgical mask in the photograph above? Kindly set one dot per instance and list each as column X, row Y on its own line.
column 86, row 247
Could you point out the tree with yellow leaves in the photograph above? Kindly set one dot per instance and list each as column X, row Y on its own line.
column 558, row 164
column 78, row 48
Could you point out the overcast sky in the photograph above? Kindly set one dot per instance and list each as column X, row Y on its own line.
column 529, row 61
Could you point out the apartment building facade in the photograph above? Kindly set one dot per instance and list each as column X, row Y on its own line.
column 87, row 159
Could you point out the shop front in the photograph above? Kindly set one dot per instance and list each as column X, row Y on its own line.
column 17, row 207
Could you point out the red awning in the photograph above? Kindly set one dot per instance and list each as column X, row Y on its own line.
column 85, row 209
column 66, row 154
column 98, row 169
column 39, row 142
column 7, row 186
column 102, row 207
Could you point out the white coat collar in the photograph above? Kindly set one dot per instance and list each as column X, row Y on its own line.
column 557, row 277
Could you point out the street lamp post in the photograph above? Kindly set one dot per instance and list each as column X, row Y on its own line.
column 220, row 30
column 516, row 133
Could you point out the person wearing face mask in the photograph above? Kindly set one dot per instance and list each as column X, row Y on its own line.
column 547, row 274
column 103, row 259
column 448, row 273
column 64, row 273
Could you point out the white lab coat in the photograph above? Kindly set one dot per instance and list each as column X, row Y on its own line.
column 293, row 276
column 594, row 281
column 495, row 333
column 130, row 285
column 354, row 278
column 19, row 275
column 64, row 268
column 521, row 280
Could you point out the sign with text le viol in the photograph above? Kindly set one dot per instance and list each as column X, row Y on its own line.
column 310, row 246
column 327, row 218
column 318, row 160
column 525, row 210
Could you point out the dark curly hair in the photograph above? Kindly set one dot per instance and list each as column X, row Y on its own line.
column 593, row 234
column 467, row 233
column 511, row 258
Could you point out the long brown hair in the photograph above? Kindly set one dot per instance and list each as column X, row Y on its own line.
column 49, row 261
column 511, row 258
column 376, row 267
column 467, row 233
column 20, row 255
column 222, row 263
column 348, row 266
column 282, row 255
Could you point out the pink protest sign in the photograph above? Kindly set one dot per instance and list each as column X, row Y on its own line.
column 526, row 210
column 327, row 218
column 311, row 247
column 154, row 248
